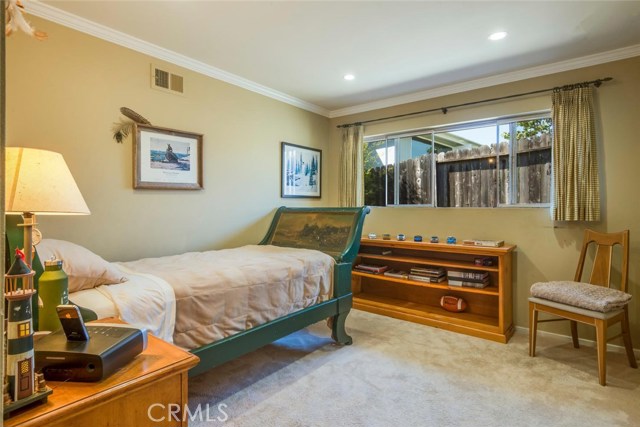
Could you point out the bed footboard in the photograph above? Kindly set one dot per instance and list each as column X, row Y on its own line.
column 344, row 300
column 335, row 231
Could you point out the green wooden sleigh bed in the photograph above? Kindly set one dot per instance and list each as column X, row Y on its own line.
column 334, row 231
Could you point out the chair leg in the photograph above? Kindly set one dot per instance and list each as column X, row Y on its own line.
column 533, row 327
column 574, row 333
column 626, row 336
column 601, row 344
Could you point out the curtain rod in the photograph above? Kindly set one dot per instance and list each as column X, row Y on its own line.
column 444, row 110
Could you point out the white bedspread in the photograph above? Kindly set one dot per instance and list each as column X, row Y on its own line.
column 144, row 300
column 219, row 293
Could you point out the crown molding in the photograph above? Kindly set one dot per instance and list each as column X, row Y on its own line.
column 97, row 30
column 528, row 73
column 86, row 26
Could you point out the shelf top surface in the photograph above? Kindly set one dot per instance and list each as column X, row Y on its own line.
column 438, row 247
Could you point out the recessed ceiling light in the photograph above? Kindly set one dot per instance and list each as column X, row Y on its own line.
column 349, row 77
column 498, row 36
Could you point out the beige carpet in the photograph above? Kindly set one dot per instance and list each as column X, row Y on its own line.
column 403, row 374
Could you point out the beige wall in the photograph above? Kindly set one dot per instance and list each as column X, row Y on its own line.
column 64, row 94
column 546, row 250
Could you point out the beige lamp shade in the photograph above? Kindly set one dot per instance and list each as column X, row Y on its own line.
column 39, row 181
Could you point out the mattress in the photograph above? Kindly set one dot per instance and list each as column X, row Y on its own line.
column 220, row 293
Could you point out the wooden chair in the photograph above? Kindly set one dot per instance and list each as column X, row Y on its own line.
column 555, row 301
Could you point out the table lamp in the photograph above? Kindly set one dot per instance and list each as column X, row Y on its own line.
column 39, row 182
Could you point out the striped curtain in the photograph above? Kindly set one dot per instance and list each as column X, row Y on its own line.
column 575, row 164
column 351, row 167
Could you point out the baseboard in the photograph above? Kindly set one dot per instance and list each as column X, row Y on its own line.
column 583, row 341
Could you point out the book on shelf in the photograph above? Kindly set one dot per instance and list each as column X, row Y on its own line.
column 489, row 243
column 400, row 274
column 434, row 271
column 469, row 284
column 474, row 275
column 427, row 279
column 428, row 276
column 371, row 268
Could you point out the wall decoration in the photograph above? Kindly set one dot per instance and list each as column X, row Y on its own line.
column 166, row 159
column 300, row 171
column 123, row 128
column 15, row 20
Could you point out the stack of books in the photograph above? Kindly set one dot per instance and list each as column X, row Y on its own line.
column 370, row 268
column 400, row 274
column 489, row 243
column 428, row 274
column 471, row 279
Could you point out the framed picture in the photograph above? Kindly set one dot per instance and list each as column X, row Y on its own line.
column 166, row 159
column 301, row 171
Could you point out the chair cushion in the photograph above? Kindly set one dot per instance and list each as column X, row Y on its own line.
column 584, row 295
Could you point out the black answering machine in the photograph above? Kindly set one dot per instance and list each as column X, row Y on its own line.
column 86, row 353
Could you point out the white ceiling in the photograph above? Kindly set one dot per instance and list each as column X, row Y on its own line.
column 300, row 50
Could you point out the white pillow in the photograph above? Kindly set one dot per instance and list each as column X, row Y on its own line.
column 85, row 269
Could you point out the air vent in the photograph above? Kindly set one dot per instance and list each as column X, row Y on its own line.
column 166, row 81
column 161, row 79
column 176, row 83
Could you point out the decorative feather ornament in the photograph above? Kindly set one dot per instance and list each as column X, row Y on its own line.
column 123, row 128
column 15, row 20
column 134, row 116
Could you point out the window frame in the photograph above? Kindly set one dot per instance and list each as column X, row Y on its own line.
column 511, row 120
column 513, row 159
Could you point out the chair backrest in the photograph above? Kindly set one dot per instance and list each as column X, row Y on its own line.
column 601, row 272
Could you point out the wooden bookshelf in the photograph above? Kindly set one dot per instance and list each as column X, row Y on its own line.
column 489, row 313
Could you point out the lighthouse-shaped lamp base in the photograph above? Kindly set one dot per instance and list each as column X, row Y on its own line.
column 20, row 387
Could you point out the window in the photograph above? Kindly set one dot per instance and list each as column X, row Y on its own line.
column 24, row 329
column 481, row 164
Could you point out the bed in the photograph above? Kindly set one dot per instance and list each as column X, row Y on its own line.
column 222, row 304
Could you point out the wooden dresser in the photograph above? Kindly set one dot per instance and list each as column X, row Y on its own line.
column 157, row 376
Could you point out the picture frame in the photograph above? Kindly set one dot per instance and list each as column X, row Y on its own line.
column 166, row 159
column 300, row 171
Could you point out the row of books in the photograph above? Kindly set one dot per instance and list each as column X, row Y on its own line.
column 489, row 243
column 471, row 279
column 428, row 274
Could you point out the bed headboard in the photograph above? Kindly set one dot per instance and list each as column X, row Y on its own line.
column 334, row 231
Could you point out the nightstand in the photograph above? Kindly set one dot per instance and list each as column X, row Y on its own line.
column 152, row 384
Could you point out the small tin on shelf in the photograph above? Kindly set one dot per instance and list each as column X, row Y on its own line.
column 451, row 240
column 372, row 235
column 485, row 261
column 417, row 238
column 386, row 236
column 434, row 239
column 401, row 237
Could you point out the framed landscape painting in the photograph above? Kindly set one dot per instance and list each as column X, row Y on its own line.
column 166, row 159
column 301, row 171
